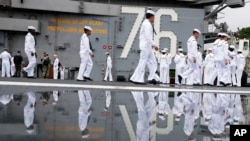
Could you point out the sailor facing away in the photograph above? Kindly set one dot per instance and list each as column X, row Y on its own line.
column 30, row 51
column 180, row 63
column 146, row 44
column 192, row 55
column 240, row 64
column 209, row 68
column 197, row 80
column 108, row 73
column 164, row 61
column 232, row 65
column 86, row 55
column 29, row 110
column 84, row 111
column 6, row 58
column 55, row 67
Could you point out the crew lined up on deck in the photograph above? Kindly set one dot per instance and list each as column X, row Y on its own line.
column 222, row 61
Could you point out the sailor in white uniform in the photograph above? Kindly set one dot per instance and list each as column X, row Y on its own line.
column 84, row 111
column 55, row 67
column 147, row 56
column 108, row 73
column 192, row 55
column 29, row 112
column 164, row 61
column 86, row 55
column 145, row 113
column 207, row 106
column 6, row 99
column 198, row 71
column 209, row 68
column 232, row 65
column 12, row 68
column 6, row 58
column 240, row 64
column 29, row 48
column 180, row 63
column 108, row 100
column 163, row 107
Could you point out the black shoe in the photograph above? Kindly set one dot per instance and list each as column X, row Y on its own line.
column 223, row 84
column 88, row 78
column 179, row 79
column 81, row 80
column 152, row 82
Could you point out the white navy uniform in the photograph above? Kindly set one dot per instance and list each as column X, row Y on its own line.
column 29, row 109
column 232, row 67
column 180, row 61
column 29, row 48
column 209, row 71
column 207, row 105
column 83, row 111
column 198, row 71
column 192, row 53
column 164, row 61
column 5, row 56
column 240, row 63
column 13, row 68
column 86, row 60
column 56, row 68
column 108, row 70
column 147, row 56
column 178, row 105
column 145, row 113
column 163, row 107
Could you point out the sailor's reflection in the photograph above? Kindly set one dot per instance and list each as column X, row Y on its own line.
column 108, row 100
column 6, row 99
column 189, row 109
column 178, row 107
column 235, row 111
column 145, row 113
column 84, row 111
column 207, row 106
column 29, row 110
column 163, row 107
column 55, row 96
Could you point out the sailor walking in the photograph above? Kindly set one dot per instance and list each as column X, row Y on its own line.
column 86, row 55
column 146, row 44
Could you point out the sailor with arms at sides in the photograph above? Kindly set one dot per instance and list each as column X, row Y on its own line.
column 30, row 51
column 180, row 62
column 192, row 56
column 146, row 44
column 86, row 56
column 240, row 64
column 109, row 68
column 6, row 59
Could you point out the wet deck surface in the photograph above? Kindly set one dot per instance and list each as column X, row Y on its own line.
column 58, row 113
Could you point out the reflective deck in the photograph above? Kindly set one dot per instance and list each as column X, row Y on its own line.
column 119, row 116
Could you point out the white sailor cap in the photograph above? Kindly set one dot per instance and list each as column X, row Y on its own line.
column 88, row 28
column 30, row 131
column 107, row 53
column 31, row 27
column 55, row 55
column 210, row 49
column 232, row 46
column 219, row 34
column 162, row 117
column 163, row 50
column 225, row 34
column 180, row 49
column 150, row 12
column 239, row 50
column 197, row 30
column 85, row 136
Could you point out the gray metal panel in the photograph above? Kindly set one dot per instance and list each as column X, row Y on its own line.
column 17, row 24
column 68, row 6
column 5, row 2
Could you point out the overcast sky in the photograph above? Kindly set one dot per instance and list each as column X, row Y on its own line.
column 236, row 17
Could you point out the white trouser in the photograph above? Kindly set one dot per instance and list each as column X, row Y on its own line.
column 5, row 69
column 191, row 68
column 226, row 75
column 146, row 58
column 152, row 66
column 55, row 71
column 13, row 70
column 164, row 73
column 178, row 71
column 83, row 66
column 108, row 73
column 197, row 74
column 88, row 67
column 239, row 72
column 30, row 68
column 209, row 75
column 233, row 73
column 62, row 74
column 163, row 106
column 28, row 53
